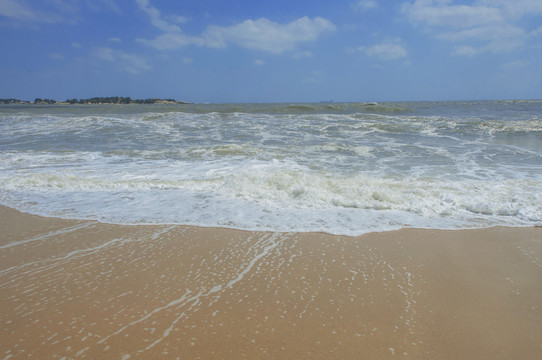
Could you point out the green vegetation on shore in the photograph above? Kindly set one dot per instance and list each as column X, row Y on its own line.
column 13, row 101
column 95, row 100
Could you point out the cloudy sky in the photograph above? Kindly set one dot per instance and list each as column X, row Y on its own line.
column 271, row 50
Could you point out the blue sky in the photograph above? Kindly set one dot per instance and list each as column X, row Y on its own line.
column 271, row 51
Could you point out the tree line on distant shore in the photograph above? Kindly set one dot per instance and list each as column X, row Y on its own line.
column 95, row 100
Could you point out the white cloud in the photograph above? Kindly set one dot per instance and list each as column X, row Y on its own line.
column 497, row 38
column 259, row 62
column 128, row 62
column 261, row 34
column 386, row 51
column 18, row 10
column 466, row 51
column 156, row 19
column 115, row 39
column 439, row 13
column 516, row 9
column 265, row 35
column 364, row 5
column 56, row 56
column 51, row 11
column 485, row 26
column 173, row 36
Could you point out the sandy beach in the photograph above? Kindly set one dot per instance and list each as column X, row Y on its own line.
column 83, row 289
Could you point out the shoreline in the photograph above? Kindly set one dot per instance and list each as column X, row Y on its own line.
column 85, row 289
column 107, row 100
column 264, row 230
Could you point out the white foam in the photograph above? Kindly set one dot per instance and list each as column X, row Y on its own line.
column 276, row 195
column 339, row 173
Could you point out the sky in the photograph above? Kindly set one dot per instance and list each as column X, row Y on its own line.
column 272, row 50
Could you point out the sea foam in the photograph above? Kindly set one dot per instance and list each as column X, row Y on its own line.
column 344, row 170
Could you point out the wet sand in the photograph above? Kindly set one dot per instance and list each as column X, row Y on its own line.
column 81, row 289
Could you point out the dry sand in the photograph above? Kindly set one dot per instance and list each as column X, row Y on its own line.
column 80, row 289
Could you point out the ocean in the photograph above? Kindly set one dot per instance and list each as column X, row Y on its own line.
column 339, row 168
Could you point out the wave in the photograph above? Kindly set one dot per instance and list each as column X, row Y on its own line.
column 281, row 201
column 253, row 194
column 337, row 167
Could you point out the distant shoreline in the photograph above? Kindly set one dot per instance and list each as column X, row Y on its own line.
column 117, row 100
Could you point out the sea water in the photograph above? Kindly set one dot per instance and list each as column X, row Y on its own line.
column 341, row 168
